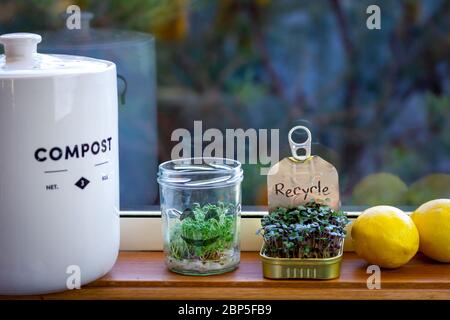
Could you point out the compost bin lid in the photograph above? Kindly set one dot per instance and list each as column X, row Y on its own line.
column 21, row 59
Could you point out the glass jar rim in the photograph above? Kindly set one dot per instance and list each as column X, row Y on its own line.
column 200, row 172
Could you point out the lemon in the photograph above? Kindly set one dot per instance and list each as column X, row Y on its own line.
column 380, row 188
column 433, row 222
column 385, row 236
column 428, row 188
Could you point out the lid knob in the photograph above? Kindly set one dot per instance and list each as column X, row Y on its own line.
column 20, row 47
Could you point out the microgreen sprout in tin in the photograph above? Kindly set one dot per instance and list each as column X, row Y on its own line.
column 306, row 231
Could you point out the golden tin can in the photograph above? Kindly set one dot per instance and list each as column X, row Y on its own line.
column 292, row 268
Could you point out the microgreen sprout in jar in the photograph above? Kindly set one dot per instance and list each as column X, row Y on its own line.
column 204, row 238
column 200, row 204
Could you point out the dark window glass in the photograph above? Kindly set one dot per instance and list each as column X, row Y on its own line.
column 376, row 101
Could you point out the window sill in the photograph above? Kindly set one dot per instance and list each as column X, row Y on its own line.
column 143, row 275
column 141, row 230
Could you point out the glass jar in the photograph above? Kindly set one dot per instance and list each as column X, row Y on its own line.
column 134, row 56
column 201, row 211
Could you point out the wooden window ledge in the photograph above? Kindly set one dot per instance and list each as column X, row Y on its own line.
column 143, row 275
